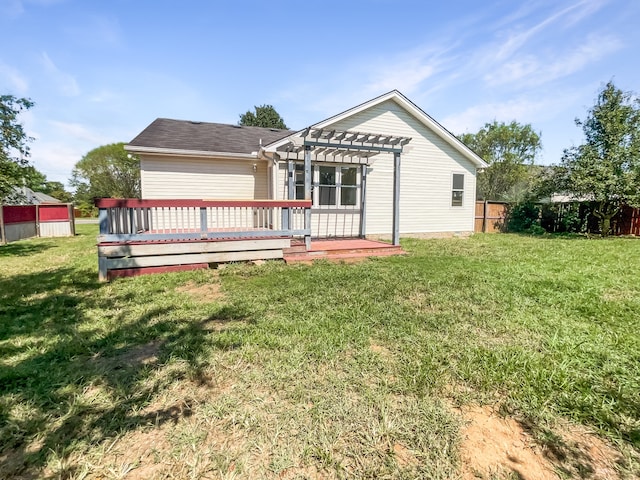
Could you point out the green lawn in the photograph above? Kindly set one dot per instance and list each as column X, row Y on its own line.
column 278, row 371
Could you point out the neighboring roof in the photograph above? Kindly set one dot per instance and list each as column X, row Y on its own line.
column 408, row 105
column 26, row 196
column 181, row 136
column 40, row 197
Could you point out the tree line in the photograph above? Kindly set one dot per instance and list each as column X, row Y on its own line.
column 604, row 169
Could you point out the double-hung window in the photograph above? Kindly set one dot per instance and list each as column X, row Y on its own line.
column 348, row 186
column 457, row 189
column 327, row 185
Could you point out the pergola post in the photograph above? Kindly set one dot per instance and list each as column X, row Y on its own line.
column 396, row 199
column 291, row 190
column 307, row 195
column 363, row 201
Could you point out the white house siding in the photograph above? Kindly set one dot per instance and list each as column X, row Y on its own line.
column 202, row 178
column 427, row 167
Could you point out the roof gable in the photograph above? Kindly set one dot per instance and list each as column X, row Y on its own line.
column 407, row 105
column 165, row 135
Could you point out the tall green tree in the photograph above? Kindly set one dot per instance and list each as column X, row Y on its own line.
column 263, row 116
column 509, row 149
column 606, row 167
column 106, row 171
column 14, row 142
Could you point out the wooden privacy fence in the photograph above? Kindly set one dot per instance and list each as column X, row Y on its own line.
column 490, row 216
column 46, row 220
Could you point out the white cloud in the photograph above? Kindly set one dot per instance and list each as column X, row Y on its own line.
column 532, row 70
column 524, row 109
column 78, row 132
column 56, row 159
column 14, row 79
column 66, row 83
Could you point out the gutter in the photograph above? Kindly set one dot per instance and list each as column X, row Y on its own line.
column 189, row 153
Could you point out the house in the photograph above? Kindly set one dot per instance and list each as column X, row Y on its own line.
column 380, row 169
column 217, row 193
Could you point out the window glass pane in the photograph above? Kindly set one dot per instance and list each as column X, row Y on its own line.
column 327, row 195
column 456, row 198
column 327, row 176
column 299, row 192
column 458, row 181
column 349, row 175
column 348, row 195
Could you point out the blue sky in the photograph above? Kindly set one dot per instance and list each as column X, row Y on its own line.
column 101, row 71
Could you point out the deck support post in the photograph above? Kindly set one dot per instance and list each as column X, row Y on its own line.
column 363, row 202
column 307, row 195
column 396, row 199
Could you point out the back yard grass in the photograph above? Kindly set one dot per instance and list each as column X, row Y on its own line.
column 499, row 356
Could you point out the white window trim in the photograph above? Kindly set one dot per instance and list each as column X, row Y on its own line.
column 451, row 190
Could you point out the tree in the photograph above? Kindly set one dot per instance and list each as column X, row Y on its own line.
column 509, row 149
column 14, row 148
column 106, row 171
column 264, row 116
column 606, row 168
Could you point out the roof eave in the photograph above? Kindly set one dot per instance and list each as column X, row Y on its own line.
column 188, row 153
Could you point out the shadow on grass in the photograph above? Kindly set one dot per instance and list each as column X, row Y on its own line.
column 56, row 354
column 23, row 248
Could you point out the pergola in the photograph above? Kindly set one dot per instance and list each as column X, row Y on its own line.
column 344, row 144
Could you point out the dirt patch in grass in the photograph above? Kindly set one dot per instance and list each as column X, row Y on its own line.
column 497, row 447
column 207, row 293
column 381, row 350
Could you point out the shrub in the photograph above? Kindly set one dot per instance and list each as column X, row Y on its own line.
column 523, row 217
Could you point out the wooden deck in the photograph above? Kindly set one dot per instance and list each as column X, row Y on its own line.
column 151, row 236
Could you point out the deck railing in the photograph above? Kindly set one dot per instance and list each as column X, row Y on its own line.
column 130, row 219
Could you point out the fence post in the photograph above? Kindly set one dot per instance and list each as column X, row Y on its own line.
column 484, row 216
column 37, row 220
column 72, row 219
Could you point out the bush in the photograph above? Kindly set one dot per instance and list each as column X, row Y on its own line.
column 524, row 217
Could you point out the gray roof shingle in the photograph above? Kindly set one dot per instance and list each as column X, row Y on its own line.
column 205, row 137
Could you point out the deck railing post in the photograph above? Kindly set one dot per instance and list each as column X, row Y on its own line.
column 203, row 222
column 285, row 216
column 3, row 235
column 103, row 221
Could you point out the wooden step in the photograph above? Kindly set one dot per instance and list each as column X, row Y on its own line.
column 347, row 257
